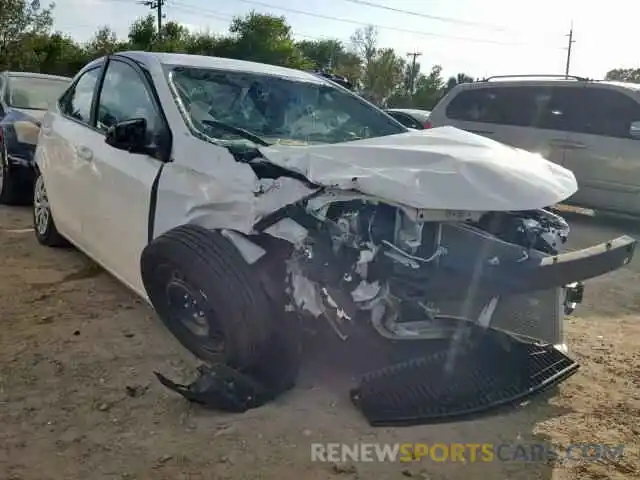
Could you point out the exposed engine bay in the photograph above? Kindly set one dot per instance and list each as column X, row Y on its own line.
column 409, row 287
column 356, row 258
column 368, row 267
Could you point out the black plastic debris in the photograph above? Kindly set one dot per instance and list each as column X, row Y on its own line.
column 223, row 388
column 488, row 372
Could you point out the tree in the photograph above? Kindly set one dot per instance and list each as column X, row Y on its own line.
column 332, row 55
column 202, row 43
column 266, row 39
column 55, row 54
column 380, row 74
column 20, row 19
column 458, row 79
column 624, row 75
column 428, row 90
column 383, row 75
column 323, row 54
column 365, row 43
column 143, row 33
column 104, row 42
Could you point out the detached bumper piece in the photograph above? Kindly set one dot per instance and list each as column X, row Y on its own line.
column 454, row 281
column 492, row 371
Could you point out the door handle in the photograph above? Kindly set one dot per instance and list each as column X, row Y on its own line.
column 84, row 153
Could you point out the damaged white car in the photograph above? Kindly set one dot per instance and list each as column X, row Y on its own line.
column 234, row 196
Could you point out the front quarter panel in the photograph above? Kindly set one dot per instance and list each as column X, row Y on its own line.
column 206, row 186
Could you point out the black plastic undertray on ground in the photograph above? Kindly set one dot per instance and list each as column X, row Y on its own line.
column 488, row 372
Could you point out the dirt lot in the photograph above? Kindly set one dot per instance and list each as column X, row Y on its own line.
column 73, row 340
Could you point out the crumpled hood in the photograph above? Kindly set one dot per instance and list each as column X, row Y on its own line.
column 441, row 168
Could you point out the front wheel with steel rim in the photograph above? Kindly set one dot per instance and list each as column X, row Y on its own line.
column 43, row 224
column 208, row 297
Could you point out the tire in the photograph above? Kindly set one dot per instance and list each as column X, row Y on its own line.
column 208, row 297
column 9, row 190
column 43, row 224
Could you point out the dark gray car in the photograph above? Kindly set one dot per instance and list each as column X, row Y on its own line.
column 24, row 98
column 410, row 117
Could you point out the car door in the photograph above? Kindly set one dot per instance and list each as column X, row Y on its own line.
column 600, row 150
column 62, row 154
column 508, row 114
column 117, row 221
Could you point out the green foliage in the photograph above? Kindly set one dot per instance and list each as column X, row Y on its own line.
column 20, row 21
column 379, row 74
column 624, row 75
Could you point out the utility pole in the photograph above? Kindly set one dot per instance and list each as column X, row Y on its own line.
column 157, row 6
column 412, row 72
column 571, row 42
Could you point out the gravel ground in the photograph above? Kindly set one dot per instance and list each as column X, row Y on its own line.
column 78, row 399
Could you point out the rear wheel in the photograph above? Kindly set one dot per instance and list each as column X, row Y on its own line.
column 208, row 297
column 43, row 224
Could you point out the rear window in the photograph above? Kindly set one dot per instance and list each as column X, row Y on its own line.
column 36, row 93
column 518, row 106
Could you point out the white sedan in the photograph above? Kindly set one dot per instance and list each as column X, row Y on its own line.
column 227, row 193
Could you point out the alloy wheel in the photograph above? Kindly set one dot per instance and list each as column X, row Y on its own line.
column 41, row 212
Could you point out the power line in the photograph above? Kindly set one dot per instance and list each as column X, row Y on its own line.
column 430, row 17
column 191, row 10
column 199, row 12
column 383, row 27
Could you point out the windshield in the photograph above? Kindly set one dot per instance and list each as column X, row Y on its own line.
column 37, row 93
column 276, row 109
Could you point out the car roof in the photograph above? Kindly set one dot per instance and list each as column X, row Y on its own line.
column 36, row 75
column 544, row 82
column 202, row 61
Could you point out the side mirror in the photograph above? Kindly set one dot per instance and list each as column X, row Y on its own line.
column 130, row 135
column 634, row 130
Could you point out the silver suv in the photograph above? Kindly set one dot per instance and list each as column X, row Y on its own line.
column 590, row 127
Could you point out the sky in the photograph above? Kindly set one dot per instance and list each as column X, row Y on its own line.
column 477, row 37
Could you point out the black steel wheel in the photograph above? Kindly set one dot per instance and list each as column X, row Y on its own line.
column 208, row 297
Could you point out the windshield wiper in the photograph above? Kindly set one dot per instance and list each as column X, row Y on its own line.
column 241, row 132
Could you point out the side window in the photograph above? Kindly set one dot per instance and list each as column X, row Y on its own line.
column 124, row 96
column 592, row 110
column 517, row 106
column 609, row 112
column 77, row 102
column 565, row 110
column 469, row 105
